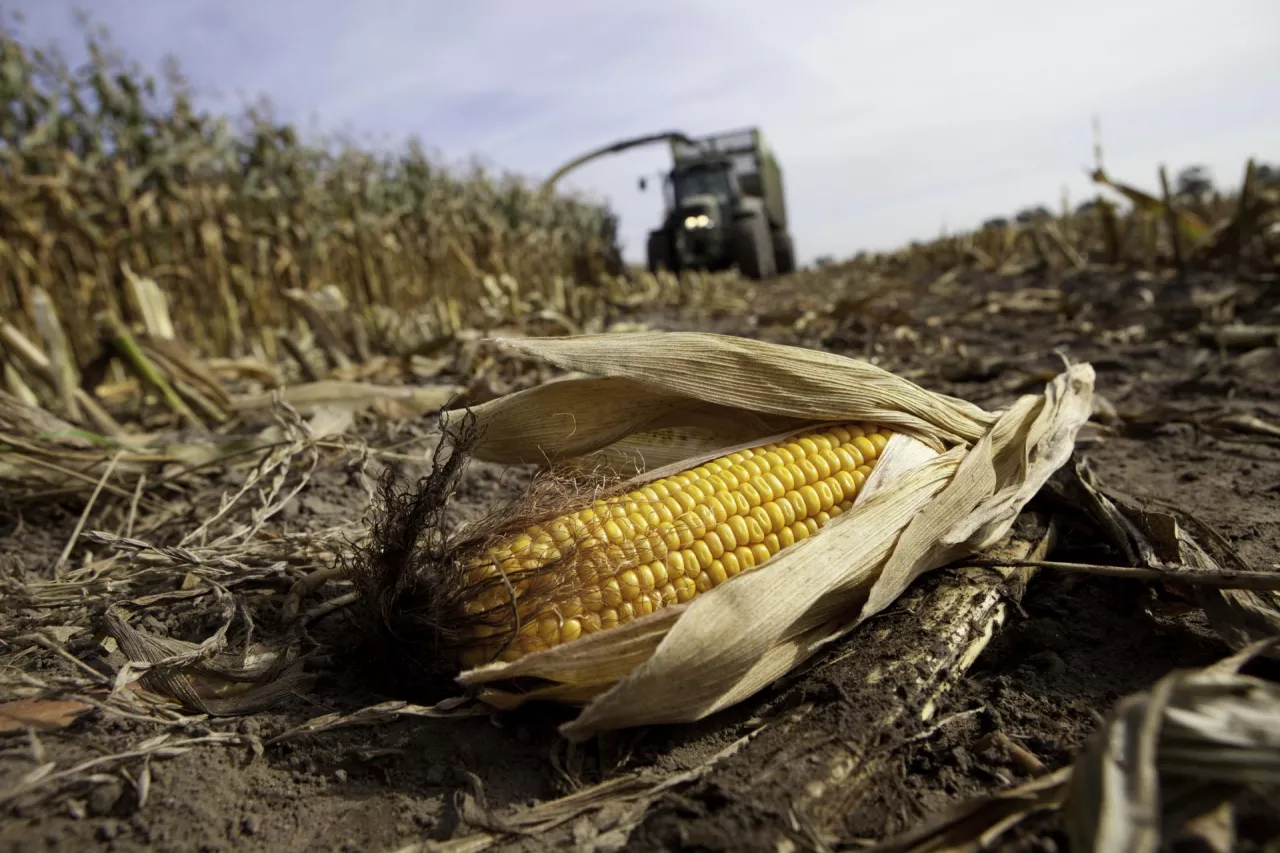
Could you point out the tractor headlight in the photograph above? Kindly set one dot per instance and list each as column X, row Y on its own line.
column 693, row 223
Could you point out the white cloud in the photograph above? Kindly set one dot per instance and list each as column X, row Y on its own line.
column 891, row 117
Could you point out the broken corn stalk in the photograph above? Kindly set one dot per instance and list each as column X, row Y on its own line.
column 625, row 557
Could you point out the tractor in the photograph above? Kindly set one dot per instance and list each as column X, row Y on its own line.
column 724, row 204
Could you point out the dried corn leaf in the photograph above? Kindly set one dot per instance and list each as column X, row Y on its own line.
column 1189, row 224
column 692, row 434
column 1165, row 759
column 664, row 446
column 975, row 825
column 569, row 418
column 950, row 482
column 659, row 373
column 1172, row 754
column 44, row 715
column 1156, row 539
column 1240, row 616
column 206, row 678
column 355, row 396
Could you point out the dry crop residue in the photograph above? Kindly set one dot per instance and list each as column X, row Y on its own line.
column 1079, row 644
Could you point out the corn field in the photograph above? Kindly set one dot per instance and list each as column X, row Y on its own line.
column 107, row 175
column 1155, row 230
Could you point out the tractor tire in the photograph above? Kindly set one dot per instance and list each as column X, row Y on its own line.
column 658, row 251
column 784, row 252
column 755, row 250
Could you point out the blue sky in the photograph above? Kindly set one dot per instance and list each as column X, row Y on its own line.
column 892, row 118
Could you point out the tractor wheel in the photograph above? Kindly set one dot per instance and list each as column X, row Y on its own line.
column 784, row 251
column 755, row 250
column 659, row 252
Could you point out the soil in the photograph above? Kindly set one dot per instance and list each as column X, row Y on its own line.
column 1073, row 646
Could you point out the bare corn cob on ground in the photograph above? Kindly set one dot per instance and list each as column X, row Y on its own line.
column 626, row 556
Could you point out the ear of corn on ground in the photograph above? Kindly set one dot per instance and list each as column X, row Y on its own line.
column 624, row 557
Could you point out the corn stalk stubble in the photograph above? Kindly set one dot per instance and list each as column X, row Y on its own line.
column 936, row 640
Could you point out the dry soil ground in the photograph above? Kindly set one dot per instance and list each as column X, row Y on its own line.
column 1077, row 645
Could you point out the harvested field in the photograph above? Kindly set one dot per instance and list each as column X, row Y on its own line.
column 1072, row 645
column 183, row 666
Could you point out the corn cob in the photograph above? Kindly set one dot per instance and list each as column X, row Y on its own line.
column 626, row 556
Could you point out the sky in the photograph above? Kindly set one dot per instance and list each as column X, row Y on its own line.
column 892, row 119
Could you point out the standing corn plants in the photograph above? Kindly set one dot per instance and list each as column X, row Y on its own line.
column 103, row 167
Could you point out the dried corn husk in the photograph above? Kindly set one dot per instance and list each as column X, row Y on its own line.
column 950, row 483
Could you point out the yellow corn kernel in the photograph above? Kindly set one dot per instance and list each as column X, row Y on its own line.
column 685, row 589
column 645, row 552
column 797, row 475
column 786, row 477
column 812, row 503
column 768, row 485
column 612, row 592
column 702, row 552
column 799, row 506
column 727, row 537
column 724, row 505
column 820, row 465
column 837, row 493
column 675, row 565
column 761, row 517
column 710, row 515
column 668, row 533
column 714, row 544
column 629, row 584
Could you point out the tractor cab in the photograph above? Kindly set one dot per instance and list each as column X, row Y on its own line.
column 723, row 206
column 701, row 204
